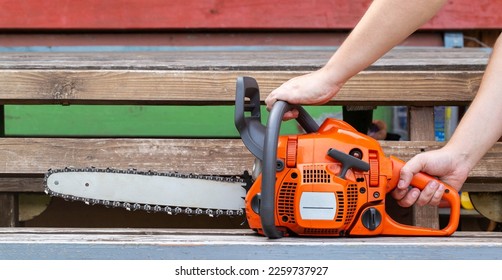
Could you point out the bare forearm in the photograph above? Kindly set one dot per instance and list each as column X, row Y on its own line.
column 481, row 126
column 385, row 24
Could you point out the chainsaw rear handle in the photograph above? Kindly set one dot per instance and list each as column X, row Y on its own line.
column 420, row 181
column 250, row 128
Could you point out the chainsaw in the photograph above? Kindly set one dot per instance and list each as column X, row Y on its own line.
column 329, row 180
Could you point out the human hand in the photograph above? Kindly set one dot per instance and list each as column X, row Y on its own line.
column 441, row 163
column 311, row 89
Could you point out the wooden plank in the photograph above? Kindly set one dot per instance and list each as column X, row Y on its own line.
column 21, row 184
column 405, row 76
column 34, row 156
column 185, row 244
column 8, row 210
column 481, row 187
column 218, row 87
column 421, row 123
column 229, row 14
column 29, row 157
column 399, row 58
column 13, row 41
column 421, row 128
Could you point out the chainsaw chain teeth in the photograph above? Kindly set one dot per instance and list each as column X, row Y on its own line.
column 170, row 210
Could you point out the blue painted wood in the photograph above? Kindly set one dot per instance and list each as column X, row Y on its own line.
column 237, row 245
column 314, row 251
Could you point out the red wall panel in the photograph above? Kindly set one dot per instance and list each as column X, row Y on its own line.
column 224, row 14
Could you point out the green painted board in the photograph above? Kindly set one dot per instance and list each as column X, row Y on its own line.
column 141, row 121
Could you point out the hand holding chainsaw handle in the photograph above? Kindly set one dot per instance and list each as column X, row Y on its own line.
column 420, row 181
column 262, row 141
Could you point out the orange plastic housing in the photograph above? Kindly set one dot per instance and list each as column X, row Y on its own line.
column 311, row 199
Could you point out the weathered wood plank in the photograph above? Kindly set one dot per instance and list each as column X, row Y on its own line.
column 414, row 76
column 40, row 243
column 21, row 184
column 243, row 14
column 30, row 156
column 8, row 209
column 218, row 87
column 203, row 156
column 421, row 128
column 194, row 39
column 399, row 58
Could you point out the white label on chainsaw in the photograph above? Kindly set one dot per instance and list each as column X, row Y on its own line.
column 317, row 206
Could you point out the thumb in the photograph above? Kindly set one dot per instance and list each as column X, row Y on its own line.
column 410, row 168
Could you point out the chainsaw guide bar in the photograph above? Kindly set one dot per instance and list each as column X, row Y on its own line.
column 172, row 193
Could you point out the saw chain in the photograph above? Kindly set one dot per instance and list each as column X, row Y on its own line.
column 171, row 210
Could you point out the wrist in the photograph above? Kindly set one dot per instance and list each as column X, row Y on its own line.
column 333, row 76
column 461, row 158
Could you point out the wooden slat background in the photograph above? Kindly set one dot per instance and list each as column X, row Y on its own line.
column 32, row 157
column 406, row 76
column 400, row 58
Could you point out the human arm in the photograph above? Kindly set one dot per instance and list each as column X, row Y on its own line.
column 476, row 133
column 385, row 24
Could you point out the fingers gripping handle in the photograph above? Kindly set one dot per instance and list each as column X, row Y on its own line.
column 250, row 128
column 420, row 181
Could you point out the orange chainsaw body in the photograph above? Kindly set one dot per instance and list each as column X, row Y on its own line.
column 313, row 199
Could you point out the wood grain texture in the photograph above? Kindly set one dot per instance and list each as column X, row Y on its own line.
column 8, row 209
column 223, row 14
column 236, row 244
column 405, row 76
column 421, row 128
column 218, row 87
column 196, row 38
column 34, row 156
column 28, row 157
column 399, row 58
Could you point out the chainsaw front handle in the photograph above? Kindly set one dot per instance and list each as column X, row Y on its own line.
column 420, row 181
column 262, row 141
column 267, row 205
column 250, row 128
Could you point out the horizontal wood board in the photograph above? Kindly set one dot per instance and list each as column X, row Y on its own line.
column 405, row 76
column 34, row 156
column 64, row 243
column 400, row 58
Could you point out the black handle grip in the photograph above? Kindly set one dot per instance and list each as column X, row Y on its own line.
column 262, row 141
column 267, row 206
column 348, row 162
column 250, row 128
